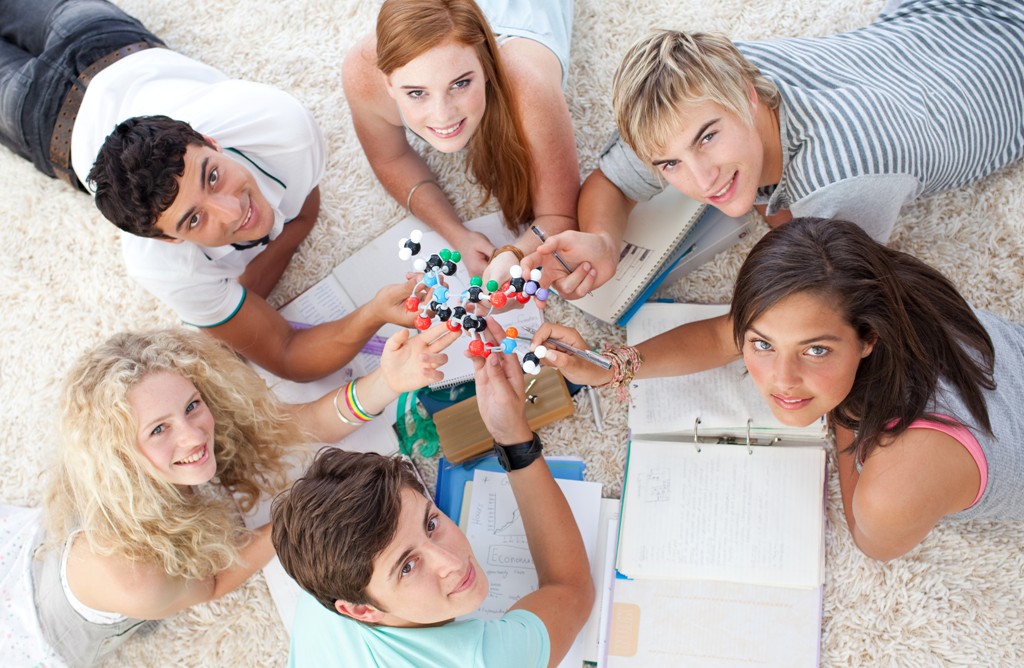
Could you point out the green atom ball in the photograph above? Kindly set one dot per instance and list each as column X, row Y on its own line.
column 477, row 281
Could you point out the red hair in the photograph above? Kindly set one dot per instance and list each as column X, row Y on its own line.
column 498, row 158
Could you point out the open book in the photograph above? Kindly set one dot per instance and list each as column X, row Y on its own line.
column 721, row 539
column 665, row 238
column 358, row 278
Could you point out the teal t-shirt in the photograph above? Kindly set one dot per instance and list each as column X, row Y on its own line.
column 323, row 638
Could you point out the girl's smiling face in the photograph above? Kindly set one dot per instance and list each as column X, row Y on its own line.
column 803, row 356
column 441, row 95
column 175, row 428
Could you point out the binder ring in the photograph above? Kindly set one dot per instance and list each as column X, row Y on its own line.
column 750, row 450
column 696, row 434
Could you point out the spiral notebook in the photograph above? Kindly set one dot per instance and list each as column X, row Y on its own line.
column 358, row 278
column 657, row 236
column 721, row 538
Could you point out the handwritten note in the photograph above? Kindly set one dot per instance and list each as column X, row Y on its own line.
column 723, row 513
column 499, row 541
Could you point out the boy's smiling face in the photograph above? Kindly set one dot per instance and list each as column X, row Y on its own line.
column 218, row 202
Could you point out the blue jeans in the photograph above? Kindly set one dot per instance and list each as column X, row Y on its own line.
column 44, row 45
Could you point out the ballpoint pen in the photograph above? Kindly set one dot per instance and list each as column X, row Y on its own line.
column 565, row 265
column 595, row 405
column 543, row 237
column 588, row 355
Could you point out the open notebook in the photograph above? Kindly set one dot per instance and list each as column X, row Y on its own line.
column 358, row 278
column 721, row 537
column 495, row 531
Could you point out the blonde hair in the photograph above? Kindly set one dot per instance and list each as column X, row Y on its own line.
column 668, row 70
column 103, row 484
column 498, row 158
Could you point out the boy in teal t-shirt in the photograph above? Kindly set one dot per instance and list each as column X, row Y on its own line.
column 387, row 572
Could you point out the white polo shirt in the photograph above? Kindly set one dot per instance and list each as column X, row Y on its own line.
column 264, row 129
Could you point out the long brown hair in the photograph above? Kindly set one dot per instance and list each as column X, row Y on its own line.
column 923, row 329
column 498, row 158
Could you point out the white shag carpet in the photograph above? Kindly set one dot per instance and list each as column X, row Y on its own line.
column 958, row 599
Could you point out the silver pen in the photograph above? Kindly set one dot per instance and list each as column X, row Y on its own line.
column 595, row 405
column 588, row 355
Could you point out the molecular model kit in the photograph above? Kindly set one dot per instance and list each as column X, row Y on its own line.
column 468, row 310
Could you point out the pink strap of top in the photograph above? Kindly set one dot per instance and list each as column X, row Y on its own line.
column 964, row 436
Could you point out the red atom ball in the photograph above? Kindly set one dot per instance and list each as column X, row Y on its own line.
column 412, row 304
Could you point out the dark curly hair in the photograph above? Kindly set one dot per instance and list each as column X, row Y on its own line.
column 135, row 174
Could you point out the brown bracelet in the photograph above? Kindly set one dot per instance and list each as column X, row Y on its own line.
column 625, row 362
column 511, row 249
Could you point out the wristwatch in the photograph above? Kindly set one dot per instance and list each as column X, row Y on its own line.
column 518, row 455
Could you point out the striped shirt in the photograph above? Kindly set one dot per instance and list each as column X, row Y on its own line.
column 928, row 98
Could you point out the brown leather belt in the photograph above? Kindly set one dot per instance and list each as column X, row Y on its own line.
column 60, row 140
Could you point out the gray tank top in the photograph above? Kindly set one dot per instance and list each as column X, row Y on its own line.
column 79, row 641
column 1003, row 498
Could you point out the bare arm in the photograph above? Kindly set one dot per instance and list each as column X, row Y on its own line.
column 689, row 348
column 406, row 364
column 262, row 335
column 536, row 76
column 565, row 594
column 397, row 165
column 594, row 249
column 780, row 218
column 904, row 489
column 263, row 273
column 145, row 591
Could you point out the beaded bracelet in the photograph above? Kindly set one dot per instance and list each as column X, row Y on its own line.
column 337, row 408
column 352, row 401
column 511, row 249
column 626, row 360
column 412, row 191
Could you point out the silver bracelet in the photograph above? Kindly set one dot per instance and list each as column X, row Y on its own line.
column 359, row 404
column 412, row 191
column 337, row 409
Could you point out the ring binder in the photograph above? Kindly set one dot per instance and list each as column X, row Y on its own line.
column 713, row 532
column 731, row 440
